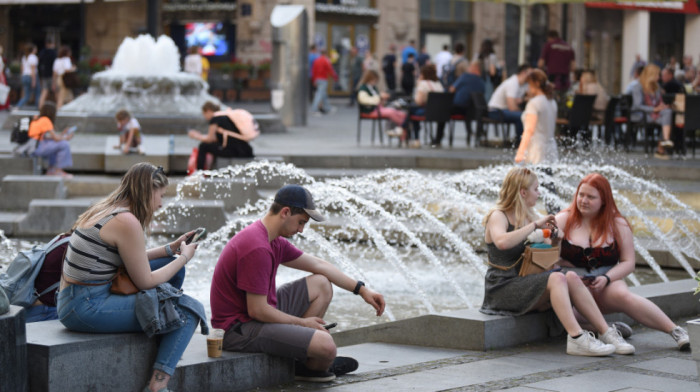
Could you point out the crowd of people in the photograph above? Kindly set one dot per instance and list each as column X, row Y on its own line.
column 596, row 254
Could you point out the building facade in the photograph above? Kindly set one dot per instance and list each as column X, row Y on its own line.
column 239, row 30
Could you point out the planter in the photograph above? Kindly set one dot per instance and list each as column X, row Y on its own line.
column 241, row 74
column 694, row 332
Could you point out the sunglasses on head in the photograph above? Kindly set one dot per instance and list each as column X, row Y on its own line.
column 158, row 170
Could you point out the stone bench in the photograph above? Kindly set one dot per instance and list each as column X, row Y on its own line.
column 156, row 150
column 61, row 360
column 470, row 329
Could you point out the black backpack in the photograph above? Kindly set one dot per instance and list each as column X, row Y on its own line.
column 20, row 131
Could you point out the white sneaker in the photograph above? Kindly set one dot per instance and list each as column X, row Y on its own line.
column 614, row 337
column 680, row 335
column 394, row 132
column 588, row 345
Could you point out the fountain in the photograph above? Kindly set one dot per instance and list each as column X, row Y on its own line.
column 417, row 237
column 145, row 79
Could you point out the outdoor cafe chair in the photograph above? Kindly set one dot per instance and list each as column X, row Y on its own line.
column 608, row 122
column 438, row 108
column 460, row 113
column 481, row 115
column 376, row 119
column 578, row 118
column 691, row 123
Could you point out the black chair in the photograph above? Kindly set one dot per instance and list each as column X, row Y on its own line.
column 438, row 108
column 608, row 122
column 481, row 115
column 376, row 118
column 691, row 125
column 628, row 136
column 579, row 117
column 460, row 113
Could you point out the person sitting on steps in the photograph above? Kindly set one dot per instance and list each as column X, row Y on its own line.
column 285, row 321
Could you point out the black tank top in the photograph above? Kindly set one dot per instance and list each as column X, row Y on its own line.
column 598, row 257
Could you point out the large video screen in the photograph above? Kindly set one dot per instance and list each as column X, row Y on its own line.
column 210, row 37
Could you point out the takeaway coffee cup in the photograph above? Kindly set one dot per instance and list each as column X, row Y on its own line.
column 215, row 343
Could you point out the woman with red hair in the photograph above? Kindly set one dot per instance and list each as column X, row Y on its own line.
column 598, row 239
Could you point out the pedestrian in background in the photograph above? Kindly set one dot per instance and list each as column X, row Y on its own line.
column 30, row 75
column 389, row 68
column 46, row 58
column 558, row 60
column 408, row 75
column 356, row 70
column 321, row 71
column 62, row 65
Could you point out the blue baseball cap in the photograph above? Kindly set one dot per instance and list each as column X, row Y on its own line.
column 293, row 195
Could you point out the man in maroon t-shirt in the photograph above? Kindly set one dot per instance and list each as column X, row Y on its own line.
column 558, row 59
column 288, row 321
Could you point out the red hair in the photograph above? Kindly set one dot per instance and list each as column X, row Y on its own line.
column 604, row 222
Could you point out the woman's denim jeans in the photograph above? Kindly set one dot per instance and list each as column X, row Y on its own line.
column 95, row 309
column 27, row 90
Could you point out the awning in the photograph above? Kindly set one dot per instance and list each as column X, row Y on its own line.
column 679, row 7
column 32, row 2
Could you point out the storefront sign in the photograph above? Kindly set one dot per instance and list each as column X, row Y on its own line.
column 346, row 9
column 682, row 7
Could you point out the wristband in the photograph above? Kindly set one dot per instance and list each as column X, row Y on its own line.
column 606, row 277
column 186, row 259
column 358, row 286
column 169, row 250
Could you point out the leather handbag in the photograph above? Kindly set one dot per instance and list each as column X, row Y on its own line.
column 537, row 260
column 122, row 283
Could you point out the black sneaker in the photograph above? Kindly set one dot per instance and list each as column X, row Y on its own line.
column 343, row 365
column 302, row 373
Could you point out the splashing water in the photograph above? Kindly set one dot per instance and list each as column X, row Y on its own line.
column 418, row 238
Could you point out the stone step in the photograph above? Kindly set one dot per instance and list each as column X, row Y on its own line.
column 10, row 164
column 16, row 191
column 62, row 360
column 152, row 124
column 470, row 329
column 48, row 217
column 9, row 222
column 156, row 149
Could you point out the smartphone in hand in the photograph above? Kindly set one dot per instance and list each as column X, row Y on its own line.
column 196, row 236
column 588, row 278
column 71, row 130
column 329, row 326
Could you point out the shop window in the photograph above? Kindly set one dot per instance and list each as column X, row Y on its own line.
column 445, row 10
column 246, row 9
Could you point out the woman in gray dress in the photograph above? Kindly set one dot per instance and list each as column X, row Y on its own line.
column 506, row 293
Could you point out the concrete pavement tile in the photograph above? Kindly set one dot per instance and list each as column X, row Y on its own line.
column 527, row 389
column 652, row 340
column 447, row 377
column 610, row 380
column 557, row 353
column 376, row 356
column 682, row 367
